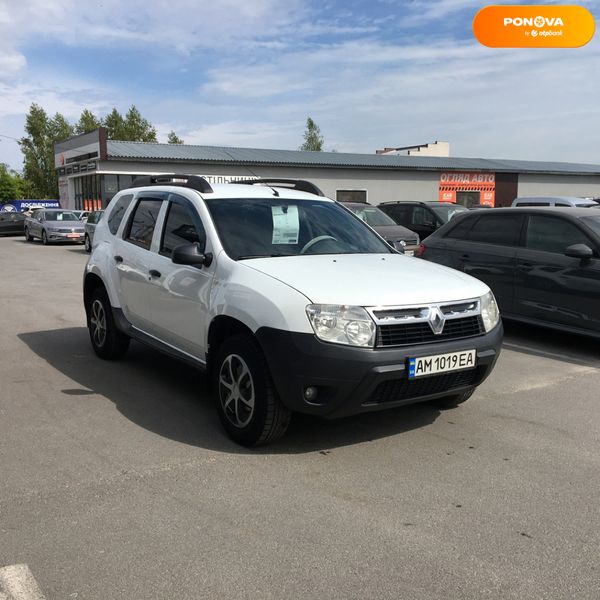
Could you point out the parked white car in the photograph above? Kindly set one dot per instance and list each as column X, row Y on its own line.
column 289, row 302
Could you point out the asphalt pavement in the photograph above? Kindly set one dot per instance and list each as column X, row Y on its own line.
column 116, row 480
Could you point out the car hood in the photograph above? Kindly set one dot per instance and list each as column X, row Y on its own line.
column 394, row 232
column 369, row 279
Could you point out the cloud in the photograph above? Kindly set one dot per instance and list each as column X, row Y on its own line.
column 248, row 74
column 186, row 26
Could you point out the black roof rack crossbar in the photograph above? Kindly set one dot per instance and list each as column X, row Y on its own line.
column 190, row 181
column 300, row 185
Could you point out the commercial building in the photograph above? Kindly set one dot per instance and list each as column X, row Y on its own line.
column 93, row 169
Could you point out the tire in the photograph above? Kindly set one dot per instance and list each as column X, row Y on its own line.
column 87, row 243
column 44, row 237
column 247, row 403
column 453, row 401
column 28, row 237
column 107, row 341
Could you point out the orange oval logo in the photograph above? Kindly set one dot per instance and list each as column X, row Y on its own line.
column 534, row 26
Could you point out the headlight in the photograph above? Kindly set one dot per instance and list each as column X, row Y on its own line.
column 490, row 314
column 339, row 324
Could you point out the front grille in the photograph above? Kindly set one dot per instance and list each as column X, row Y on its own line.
column 404, row 334
column 70, row 230
column 404, row 389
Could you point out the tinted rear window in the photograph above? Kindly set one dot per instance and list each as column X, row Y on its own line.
column 551, row 234
column 502, row 230
column 118, row 212
column 593, row 223
column 461, row 229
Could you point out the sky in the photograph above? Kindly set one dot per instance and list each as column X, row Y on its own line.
column 248, row 73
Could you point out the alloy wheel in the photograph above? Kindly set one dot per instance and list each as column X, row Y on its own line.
column 236, row 390
column 98, row 323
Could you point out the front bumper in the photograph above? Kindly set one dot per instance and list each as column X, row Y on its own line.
column 352, row 380
column 59, row 236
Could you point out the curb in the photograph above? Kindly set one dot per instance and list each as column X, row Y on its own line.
column 17, row 583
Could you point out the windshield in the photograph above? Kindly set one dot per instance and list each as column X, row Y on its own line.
column 259, row 227
column 593, row 223
column 371, row 215
column 62, row 215
column 445, row 213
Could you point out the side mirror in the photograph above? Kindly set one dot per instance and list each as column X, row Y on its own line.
column 580, row 251
column 189, row 254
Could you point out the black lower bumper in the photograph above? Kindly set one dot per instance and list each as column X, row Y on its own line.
column 351, row 380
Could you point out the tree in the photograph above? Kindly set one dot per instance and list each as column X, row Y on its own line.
column 38, row 150
column 131, row 128
column 12, row 186
column 115, row 125
column 88, row 121
column 174, row 139
column 138, row 129
column 313, row 140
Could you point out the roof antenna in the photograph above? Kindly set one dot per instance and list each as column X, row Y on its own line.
column 275, row 192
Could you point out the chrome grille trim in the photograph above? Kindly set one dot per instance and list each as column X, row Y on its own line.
column 420, row 324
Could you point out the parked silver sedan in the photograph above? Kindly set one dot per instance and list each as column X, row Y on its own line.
column 54, row 225
column 90, row 227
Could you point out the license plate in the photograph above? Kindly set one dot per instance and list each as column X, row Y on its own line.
column 73, row 235
column 409, row 252
column 441, row 363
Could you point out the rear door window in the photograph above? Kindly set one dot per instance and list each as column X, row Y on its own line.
column 118, row 212
column 503, row 230
column 461, row 230
column 551, row 234
column 143, row 222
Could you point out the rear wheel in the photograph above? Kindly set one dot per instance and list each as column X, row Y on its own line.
column 108, row 342
column 453, row 401
column 248, row 404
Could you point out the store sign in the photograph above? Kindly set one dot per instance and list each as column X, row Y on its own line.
column 461, row 179
column 22, row 205
column 452, row 182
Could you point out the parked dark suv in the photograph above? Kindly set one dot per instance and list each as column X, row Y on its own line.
column 399, row 237
column 543, row 264
column 422, row 217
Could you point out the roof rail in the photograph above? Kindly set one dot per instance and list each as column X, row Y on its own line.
column 190, row 181
column 301, row 185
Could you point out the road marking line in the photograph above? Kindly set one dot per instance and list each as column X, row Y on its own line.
column 17, row 583
column 512, row 346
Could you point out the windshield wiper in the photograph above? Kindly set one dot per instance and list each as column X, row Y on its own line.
column 245, row 256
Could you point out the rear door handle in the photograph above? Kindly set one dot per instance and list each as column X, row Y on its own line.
column 524, row 267
column 118, row 259
column 154, row 273
column 465, row 257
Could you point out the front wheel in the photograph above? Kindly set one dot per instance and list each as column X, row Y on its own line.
column 453, row 401
column 108, row 342
column 248, row 404
column 28, row 237
column 44, row 238
column 87, row 243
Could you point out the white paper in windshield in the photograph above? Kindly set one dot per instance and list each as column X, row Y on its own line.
column 286, row 224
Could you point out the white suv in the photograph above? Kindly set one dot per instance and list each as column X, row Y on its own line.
column 286, row 299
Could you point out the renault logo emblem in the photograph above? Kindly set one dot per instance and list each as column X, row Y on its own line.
column 436, row 320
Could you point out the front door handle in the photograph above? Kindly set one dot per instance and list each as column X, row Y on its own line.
column 118, row 259
column 525, row 267
column 154, row 273
column 465, row 257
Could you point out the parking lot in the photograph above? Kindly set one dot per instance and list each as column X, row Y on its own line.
column 117, row 480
